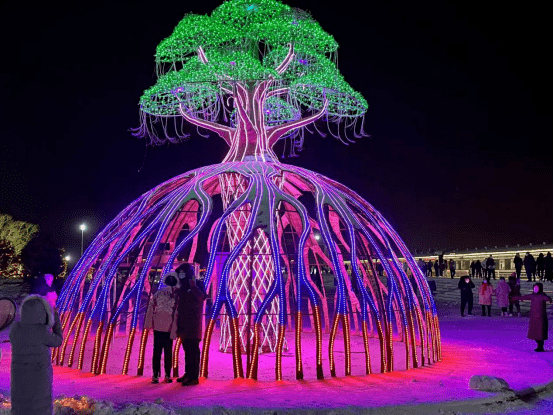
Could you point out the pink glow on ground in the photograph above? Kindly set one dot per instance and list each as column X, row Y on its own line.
column 486, row 346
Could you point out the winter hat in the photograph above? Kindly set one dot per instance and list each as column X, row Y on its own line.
column 36, row 310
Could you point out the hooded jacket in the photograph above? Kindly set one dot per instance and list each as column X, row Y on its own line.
column 485, row 294
column 162, row 312
column 31, row 338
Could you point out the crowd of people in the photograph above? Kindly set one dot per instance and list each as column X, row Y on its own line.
column 508, row 295
column 540, row 268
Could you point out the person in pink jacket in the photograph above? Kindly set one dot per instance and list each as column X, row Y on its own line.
column 503, row 296
column 162, row 317
column 485, row 296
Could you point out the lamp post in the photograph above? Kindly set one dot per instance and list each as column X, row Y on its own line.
column 82, row 227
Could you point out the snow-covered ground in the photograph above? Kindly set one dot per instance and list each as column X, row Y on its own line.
column 471, row 346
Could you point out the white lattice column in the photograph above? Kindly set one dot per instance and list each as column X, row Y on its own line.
column 251, row 274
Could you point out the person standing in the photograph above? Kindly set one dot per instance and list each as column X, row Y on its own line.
column 491, row 265
column 422, row 266
column 485, row 296
column 31, row 374
column 472, row 268
column 466, row 286
column 518, row 263
column 548, row 267
column 380, row 269
column 162, row 318
column 529, row 263
column 538, row 321
column 503, row 296
column 478, row 269
column 436, row 266
column 514, row 284
column 452, row 266
column 442, row 268
column 189, row 321
column 430, row 268
column 540, row 266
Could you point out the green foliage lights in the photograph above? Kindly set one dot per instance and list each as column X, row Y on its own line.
column 241, row 45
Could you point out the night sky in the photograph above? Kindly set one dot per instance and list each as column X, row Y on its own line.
column 460, row 115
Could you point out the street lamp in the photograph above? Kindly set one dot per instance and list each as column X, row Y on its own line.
column 317, row 236
column 67, row 258
column 82, row 227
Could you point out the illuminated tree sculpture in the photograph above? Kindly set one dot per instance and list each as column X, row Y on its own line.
column 254, row 73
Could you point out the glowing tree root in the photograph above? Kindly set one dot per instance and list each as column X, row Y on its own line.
column 390, row 350
column 366, row 348
column 206, row 349
column 175, row 361
column 253, row 369
column 75, row 339
column 66, row 340
column 407, row 344
column 299, row 371
column 319, row 343
column 128, row 351
column 101, row 369
column 346, row 335
column 415, row 362
column 83, row 344
column 142, row 349
column 332, row 345
column 382, row 346
column 96, row 349
column 235, row 338
column 279, row 354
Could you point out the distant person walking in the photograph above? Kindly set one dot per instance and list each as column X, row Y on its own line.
column 31, row 369
column 466, row 286
column 538, row 321
column 485, row 296
column 529, row 262
column 548, row 267
column 515, row 287
column 502, row 292
column 472, row 267
column 518, row 263
column 436, row 266
column 162, row 318
column 491, row 266
column 380, row 269
column 430, row 268
column 452, row 266
column 540, row 266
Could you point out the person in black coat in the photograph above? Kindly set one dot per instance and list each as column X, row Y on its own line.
column 540, row 266
column 466, row 286
column 548, row 267
column 190, row 305
column 436, row 266
column 472, row 267
column 529, row 262
column 518, row 262
column 430, row 268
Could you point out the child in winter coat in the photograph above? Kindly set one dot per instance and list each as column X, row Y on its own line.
column 503, row 296
column 485, row 296
column 31, row 371
column 161, row 316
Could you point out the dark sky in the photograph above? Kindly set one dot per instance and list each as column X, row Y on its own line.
column 460, row 115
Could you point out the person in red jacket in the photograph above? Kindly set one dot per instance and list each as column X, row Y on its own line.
column 538, row 322
column 161, row 316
